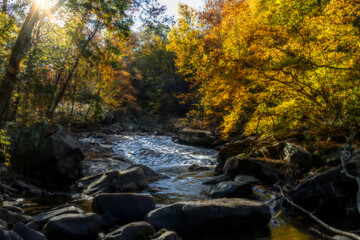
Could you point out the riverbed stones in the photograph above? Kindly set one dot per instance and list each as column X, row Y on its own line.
column 297, row 155
column 132, row 180
column 264, row 170
column 122, row 208
column 27, row 233
column 42, row 218
column 73, row 226
column 46, row 152
column 195, row 137
column 132, row 231
column 220, row 215
column 230, row 189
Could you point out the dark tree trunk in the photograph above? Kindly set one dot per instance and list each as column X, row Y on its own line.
column 9, row 81
column 4, row 6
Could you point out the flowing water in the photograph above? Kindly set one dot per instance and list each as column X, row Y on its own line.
column 172, row 159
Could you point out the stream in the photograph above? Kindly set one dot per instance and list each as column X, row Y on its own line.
column 172, row 160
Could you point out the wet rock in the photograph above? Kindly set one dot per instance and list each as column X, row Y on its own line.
column 27, row 233
column 339, row 237
column 233, row 149
column 12, row 208
column 11, row 217
column 164, row 234
column 217, row 179
column 4, row 235
column 46, row 152
column 122, row 208
column 195, row 137
column 297, row 155
column 86, row 181
column 151, row 175
column 196, row 167
column 231, row 189
column 262, row 169
column 3, row 224
column 14, row 235
column 42, row 218
column 131, row 180
column 220, row 215
column 29, row 190
column 117, row 128
column 33, row 226
column 73, row 226
column 246, row 178
column 331, row 189
column 132, row 231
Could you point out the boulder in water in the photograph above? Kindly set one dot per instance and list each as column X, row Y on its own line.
column 131, row 180
column 151, row 175
column 122, row 208
column 220, row 215
column 195, row 137
column 73, row 226
column 230, row 189
column 46, row 152
column 42, row 218
column 262, row 169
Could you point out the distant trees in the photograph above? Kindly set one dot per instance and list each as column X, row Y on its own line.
column 273, row 68
column 65, row 58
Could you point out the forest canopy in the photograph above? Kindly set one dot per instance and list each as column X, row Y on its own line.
column 271, row 68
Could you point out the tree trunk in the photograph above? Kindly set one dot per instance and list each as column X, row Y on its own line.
column 17, row 53
column 9, row 80
column 4, row 6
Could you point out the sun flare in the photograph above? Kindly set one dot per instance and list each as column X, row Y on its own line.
column 41, row 3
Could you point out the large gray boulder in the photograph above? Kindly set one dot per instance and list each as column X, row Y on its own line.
column 132, row 231
column 132, row 180
column 195, row 137
column 46, row 152
column 331, row 189
column 42, row 218
column 122, row 208
column 150, row 174
column 220, row 215
column 73, row 226
column 262, row 169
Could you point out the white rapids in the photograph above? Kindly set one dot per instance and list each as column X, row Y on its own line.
column 168, row 158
